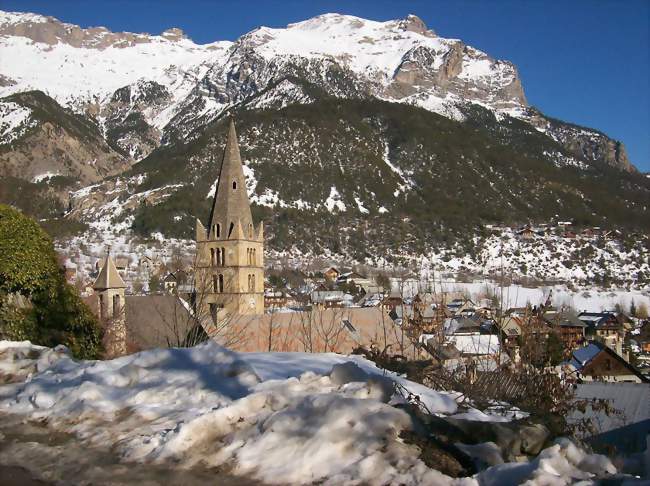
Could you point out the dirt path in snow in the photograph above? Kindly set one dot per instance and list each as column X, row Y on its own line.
column 32, row 454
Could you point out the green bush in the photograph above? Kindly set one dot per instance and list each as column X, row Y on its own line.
column 36, row 303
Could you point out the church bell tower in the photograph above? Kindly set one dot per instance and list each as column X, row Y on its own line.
column 230, row 251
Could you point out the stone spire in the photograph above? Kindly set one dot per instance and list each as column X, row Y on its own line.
column 231, row 207
column 109, row 277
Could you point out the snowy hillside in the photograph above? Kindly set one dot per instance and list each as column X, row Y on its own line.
column 278, row 417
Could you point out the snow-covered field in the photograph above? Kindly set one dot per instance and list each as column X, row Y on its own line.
column 284, row 418
column 590, row 299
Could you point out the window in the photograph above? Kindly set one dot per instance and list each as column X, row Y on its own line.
column 102, row 307
column 217, row 283
column 234, row 185
column 217, row 230
column 250, row 230
column 222, row 261
column 232, row 227
column 213, row 257
column 116, row 305
column 251, row 282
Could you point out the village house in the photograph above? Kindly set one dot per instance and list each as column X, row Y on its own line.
column 274, row 299
column 526, row 233
column 331, row 274
column 402, row 315
column 178, row 282
column 606, row 327
column 519, row 311
column 371, row 300
column 460, row 306
column 392, row 300
column 598, row 362
column 570, row 329
column 325, row 299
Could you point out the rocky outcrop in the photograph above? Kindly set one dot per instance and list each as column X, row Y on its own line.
column 48, row 30
column 57, row 142
column 125, row 117
column 583, row 143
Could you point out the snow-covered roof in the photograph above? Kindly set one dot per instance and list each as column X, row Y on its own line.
column 474, row 344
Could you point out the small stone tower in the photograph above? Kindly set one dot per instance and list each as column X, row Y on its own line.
column 230, row 252
column 109, row 288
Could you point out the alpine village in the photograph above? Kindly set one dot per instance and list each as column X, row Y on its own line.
column 339, row 252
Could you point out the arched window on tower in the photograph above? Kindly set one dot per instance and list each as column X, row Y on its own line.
column 215, row 283
column 250, row 230
column 234, row 185
column 217, row 230
column 221, row 287
column 213, row 257
column 232, row 227
column 252, row 283
column 223, row 256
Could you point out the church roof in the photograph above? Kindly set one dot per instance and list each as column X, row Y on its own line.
column 109, row 277
column 231, row 206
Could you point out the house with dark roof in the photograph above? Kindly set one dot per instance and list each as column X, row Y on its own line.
column 570, row 329
column 605, row 326
column 160, row 321
column 459, row 306
column 598, row 362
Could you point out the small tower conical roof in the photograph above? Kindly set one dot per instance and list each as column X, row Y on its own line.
column 109, row 277
column 231, row 205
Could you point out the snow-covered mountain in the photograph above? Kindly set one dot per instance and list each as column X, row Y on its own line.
column 166, row 86
column 397, row 60
column 351, row 131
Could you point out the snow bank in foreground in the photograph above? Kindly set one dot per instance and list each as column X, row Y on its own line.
column 281, row 417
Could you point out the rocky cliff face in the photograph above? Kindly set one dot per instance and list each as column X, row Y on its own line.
column 582, row 142
column 48, row 30
column 48, row 140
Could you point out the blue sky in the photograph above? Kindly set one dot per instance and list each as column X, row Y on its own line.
column 583, row 61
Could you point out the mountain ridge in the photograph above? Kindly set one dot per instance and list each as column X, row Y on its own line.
column 400, row 136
